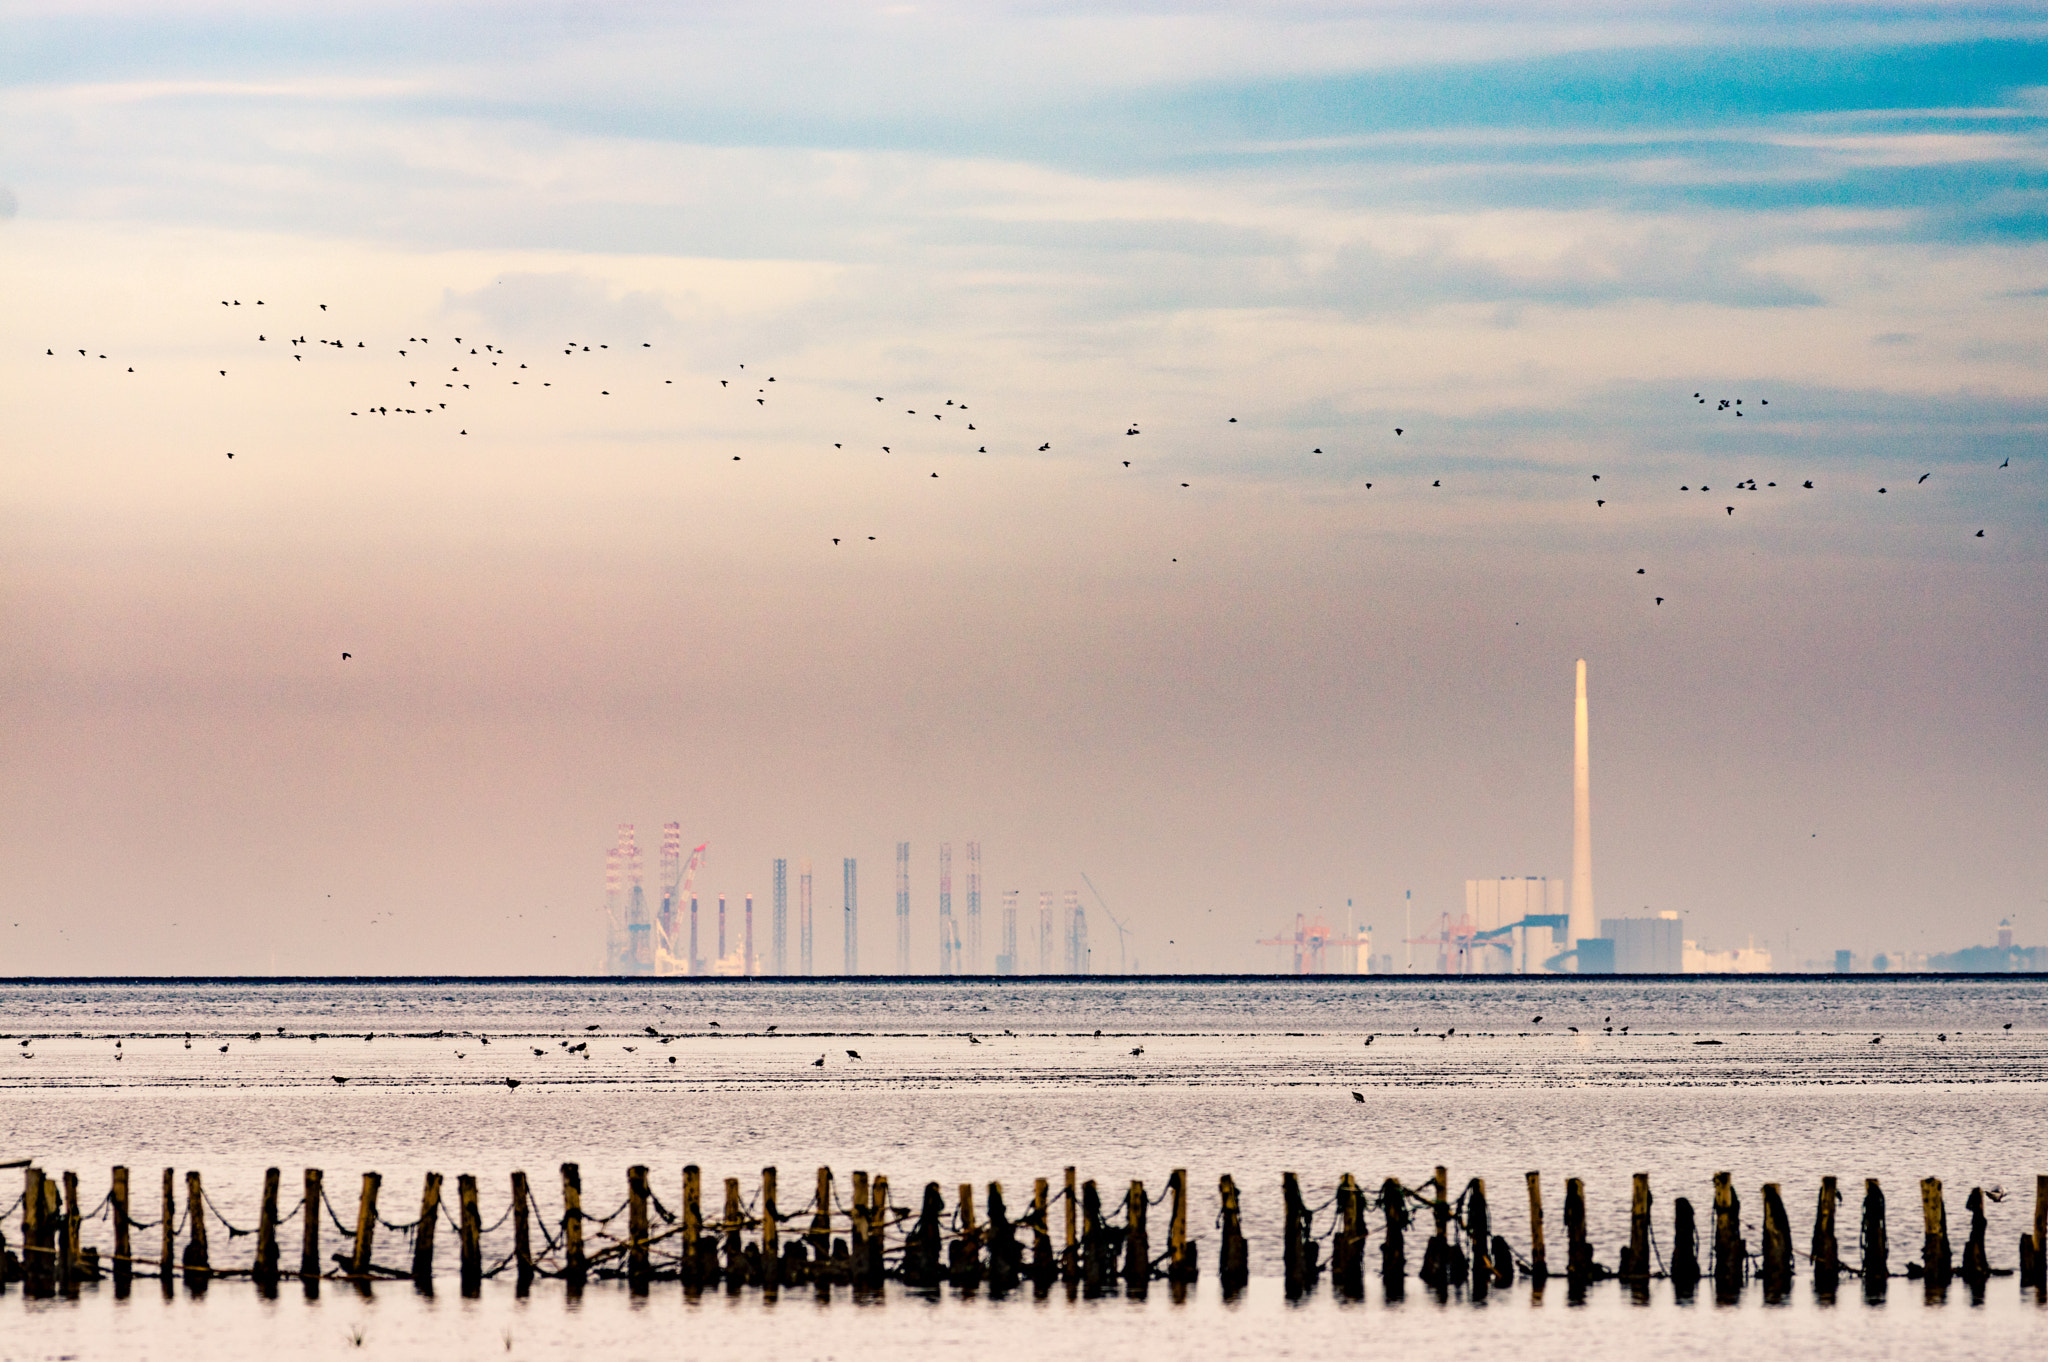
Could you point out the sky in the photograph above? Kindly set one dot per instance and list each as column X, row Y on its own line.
column 1185, row 446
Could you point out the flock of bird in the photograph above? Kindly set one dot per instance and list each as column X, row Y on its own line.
column 454, row 374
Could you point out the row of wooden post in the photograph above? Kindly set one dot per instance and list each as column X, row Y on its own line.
column 1095, row 1253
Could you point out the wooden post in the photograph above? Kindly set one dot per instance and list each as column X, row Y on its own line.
column 1347, row 1244
column 1394, row 1253
column 1093, row 1270
column 1070, row 1262
column 1005, row 1255
column 575, row 1267
column 1233, row 1260
column 265, row 1269
column 1777, row 1255
column 1137, row 1243
column 1876, row 1263
column 1539, row 1265
column 168, row 1223
column 1293, row 1236
column 1578, row 1253
column 197, row 1268
column 1436, row 1254
column 522, row 1234
column 1976, row 1269
column 472, row 1235
column 1180, row 1259
column 857, row 1220
column 1934, row 1253
column 821, row 1223
column 771, row 1243
column 878, row 1227
column 1685, row 1249
column 1044, row 1266
column 65, row 1216
column 423, row 1234
column 39, row 1270
column 966, row 1264
column 124, row 1249
column 1826, row 1252
column 921, row 1266
column 1479, row 1225
column 309, row 1243
column 638, row 1265
column 1635, row 1263
column 1730, row 1253
column 2038, row 1278
column 732, row 1222
column 366, row 1228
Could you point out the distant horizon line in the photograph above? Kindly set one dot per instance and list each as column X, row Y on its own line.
column 688, row 980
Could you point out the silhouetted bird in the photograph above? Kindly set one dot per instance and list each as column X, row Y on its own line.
column 1923, row 477
column 1138, row 1050
column 1980, row 534
column 511, row 1082
column 1358, row 1097
column 819, row 1062
column 346, row 656
column 338, row 1078
column 853, row 1054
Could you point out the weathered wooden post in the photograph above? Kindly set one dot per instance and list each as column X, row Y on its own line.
column 38, row 1265
column 1347, row 1248
column 1394, row 1253
column 639, row 1266
column 1005, row 1254
column 1826, row 1252
column 1293, row 1236
column 197, row 1268
column 522, row 1234
column 1976, row 1269
column 265, row 1268
column 1730, row 1253
column 1876, row 1263
column 1181, row 1265
column 1579, row 1267
column 310, row 1266
column 167, row 1222
column 1685, row 1249
column 693, row 1224
column 820, row 1233
column 771, row 1242
column 75, row 1269
column 1070, row 1256
column 1539, row 1262
column 1094, row 1242
column 1233, row 1258
column 366, row 1229
column 124, row 1249
column 1635, row 1259
column 1934, row 1253
column 1137, row 1243
column 575, row 1266
column 878, row 1229
column 1044, row 1265
column 733, row 1221
column 966, row 1261
column 1479, row 1226
column 1777, row 1255
column 858, row 1222
column 472, row 1235
column 921, row 1249
column 423, row 1234
column 2037, row 1277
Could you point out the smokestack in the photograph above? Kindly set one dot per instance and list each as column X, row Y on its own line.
column 1583, row 923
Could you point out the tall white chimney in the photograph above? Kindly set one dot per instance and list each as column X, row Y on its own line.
column 1583, row 923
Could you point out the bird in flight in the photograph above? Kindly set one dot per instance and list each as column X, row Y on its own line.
column 346, row 656
column 1923, row 477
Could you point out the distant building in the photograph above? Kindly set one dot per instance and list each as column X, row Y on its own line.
column 1744, row 960
column 1491, row 905
column 1646, row 945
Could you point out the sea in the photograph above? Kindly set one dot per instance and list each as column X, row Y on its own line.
column 1771, row 1079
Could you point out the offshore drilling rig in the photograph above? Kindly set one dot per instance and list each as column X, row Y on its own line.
column 663, row 942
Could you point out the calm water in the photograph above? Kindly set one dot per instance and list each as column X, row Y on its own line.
column 1246, row 1077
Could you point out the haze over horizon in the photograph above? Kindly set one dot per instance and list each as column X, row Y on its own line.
column 1272, row 665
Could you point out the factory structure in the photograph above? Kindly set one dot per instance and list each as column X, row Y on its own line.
column 1527, row 924
column 680, row 935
